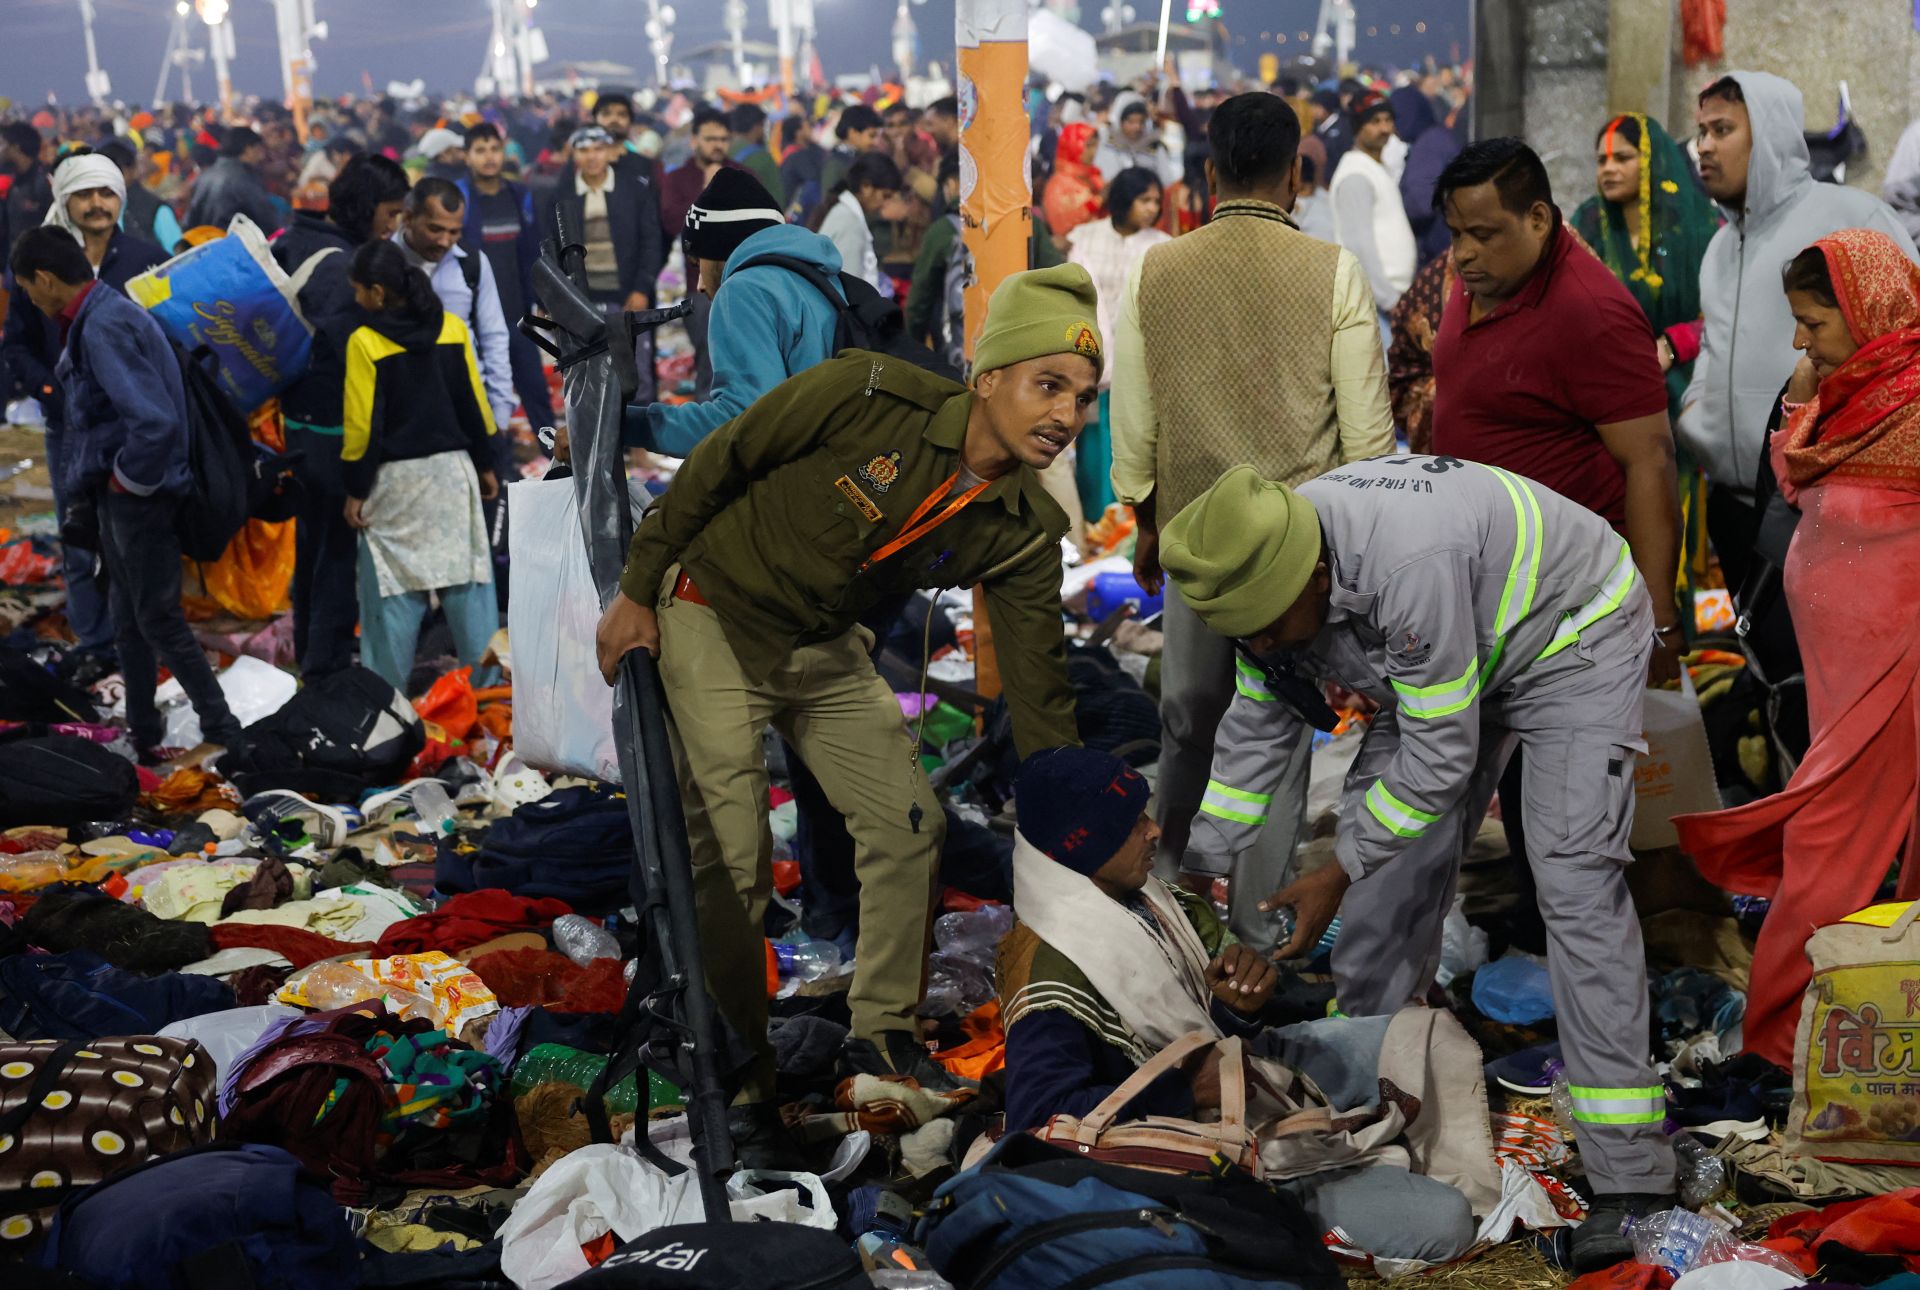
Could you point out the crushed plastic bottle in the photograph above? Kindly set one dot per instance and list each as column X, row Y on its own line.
column 806, row 961
column 1673, row 1239
column 1285, row 920
column 974, row 933
column 583, row 940
column 1562, row 1097
column 434, row 808
column 335, row 985
column 1702, row 1175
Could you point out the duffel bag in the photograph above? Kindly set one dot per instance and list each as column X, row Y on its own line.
column 76, row 1112
column 63, row 781
column 1032, row 1216
column 723, row 1256
column 219, row 1216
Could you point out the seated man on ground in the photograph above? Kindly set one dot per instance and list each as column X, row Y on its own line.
column 1107, row 965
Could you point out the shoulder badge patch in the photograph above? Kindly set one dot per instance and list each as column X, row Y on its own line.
column 882, row 471
column 1084, row 339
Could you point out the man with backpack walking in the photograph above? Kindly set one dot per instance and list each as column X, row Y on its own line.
column 862, row 478
column 127, row 452
column 768, row 323
column 431, row 226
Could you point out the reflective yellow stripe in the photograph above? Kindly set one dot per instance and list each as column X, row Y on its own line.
column 1619, row 1105
column 1526, row 554
column 1441, row 700
column 1398, row 818
column 1236, row 804
column 1618, row 583
column 1250, row 681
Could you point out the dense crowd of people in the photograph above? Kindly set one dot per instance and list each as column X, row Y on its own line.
column 1396, row 427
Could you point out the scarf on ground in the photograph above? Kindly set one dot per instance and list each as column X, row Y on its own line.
column 78, row 175
column 1151, row 970
column 1864, row 424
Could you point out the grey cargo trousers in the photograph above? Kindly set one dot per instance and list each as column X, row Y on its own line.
column 1578, row 715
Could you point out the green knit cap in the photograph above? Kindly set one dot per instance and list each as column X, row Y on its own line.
column 1040, row 312
column 1242, row 551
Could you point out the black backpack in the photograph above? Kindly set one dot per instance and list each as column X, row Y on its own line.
column 63, row 781
column 724, row 1256
column 220, row 458
column 868, row 320
column 342, row 734
column 29, row 692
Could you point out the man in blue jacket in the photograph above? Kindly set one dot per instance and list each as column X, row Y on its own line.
column 501, row 225
column 768, row 322
column 126, row 450
column 88, row 196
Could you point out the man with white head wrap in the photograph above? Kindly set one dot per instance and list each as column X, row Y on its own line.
column 88, row 192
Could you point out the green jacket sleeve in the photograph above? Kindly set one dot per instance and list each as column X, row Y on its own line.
column 1023, row 610
column 780, row 426
column 929, row 279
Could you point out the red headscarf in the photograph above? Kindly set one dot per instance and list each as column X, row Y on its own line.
column 1865, row 422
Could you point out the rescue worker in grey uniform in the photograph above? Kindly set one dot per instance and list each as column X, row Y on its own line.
column 1481, row 611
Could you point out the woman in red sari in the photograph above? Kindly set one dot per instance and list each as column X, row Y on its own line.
column 1849, row 458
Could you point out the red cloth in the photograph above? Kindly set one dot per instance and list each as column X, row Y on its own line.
column 1821, row 848
column 1525, row 386
column 1625, row 1276
column 467, row 920
column 1888, row 1225
column 541, row 978
column 296, row 945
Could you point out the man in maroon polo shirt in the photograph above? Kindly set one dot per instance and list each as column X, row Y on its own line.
column 1545, row 366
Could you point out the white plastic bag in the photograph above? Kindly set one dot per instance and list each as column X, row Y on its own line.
column 598, row 1189
column 253, row 689
column 754, row 1195
column 1676, row 775
column 562, row 709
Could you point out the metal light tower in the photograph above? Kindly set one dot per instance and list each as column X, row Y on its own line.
column 736, row 20
column 906, row 38
column 1335, row 32
column 659, row 29
column 180, row 53
column 1116, row 16
column 98, row 86
column 220, row 42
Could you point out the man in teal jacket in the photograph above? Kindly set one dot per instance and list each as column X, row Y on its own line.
column 768, row 322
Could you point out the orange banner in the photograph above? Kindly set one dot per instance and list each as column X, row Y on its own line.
column 996, row 194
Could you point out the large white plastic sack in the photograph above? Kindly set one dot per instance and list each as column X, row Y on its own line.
column 586, row 1194
column 254, row 689
column 562, row 710
column 1061, row 51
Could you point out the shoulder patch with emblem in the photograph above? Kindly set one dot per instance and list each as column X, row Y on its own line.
column 882, row 471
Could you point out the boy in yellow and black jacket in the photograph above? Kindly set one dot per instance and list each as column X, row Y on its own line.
column 413, row 390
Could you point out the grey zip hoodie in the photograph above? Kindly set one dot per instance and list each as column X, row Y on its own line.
column 1746, row 350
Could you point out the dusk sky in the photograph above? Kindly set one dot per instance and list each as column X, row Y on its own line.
column 443, row 41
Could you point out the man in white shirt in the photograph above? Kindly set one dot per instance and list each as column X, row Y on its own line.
column 429, row 234
column 1369, row 219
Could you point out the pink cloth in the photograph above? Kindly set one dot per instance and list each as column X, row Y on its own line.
column 1820, row 848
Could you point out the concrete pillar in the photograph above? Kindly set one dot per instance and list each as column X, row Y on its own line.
column 1500, row 68
column 1640, row 41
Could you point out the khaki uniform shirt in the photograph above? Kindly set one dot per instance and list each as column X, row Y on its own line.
column 774, row 513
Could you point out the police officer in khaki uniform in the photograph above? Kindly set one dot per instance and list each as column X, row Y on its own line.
column 863, row 478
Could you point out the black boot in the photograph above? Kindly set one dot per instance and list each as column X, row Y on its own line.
column 1599, row 1242
column 899, row 1053
column 761, row 1139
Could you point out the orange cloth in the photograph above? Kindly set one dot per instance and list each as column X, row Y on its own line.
column 985, row 1050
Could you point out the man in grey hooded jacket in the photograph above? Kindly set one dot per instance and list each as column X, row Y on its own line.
column 1753, row 162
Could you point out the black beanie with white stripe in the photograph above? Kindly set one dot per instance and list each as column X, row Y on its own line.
column 733, row 207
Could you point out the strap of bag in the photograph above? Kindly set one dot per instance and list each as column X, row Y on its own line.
column 470, row 271
column 1233, row 1083
column 822, row 283
column 304, row 274
column 1095, row 1122
column 43, row 1082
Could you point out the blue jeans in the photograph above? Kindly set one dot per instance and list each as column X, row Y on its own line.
column 390, row 625
column 87, row 614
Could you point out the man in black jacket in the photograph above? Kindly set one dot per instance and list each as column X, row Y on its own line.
column 232, row 186
column 616, row 216
column 363, row 204
column 30, row 193
column 88, row 193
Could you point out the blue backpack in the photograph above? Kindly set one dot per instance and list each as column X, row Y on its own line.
column 1034, row 1217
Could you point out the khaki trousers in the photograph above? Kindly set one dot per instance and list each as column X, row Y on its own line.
column 833, row 708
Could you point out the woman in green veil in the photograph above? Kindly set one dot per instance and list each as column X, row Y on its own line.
column 1650, row 223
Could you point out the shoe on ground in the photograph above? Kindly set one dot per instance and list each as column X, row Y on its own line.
column 1525, row 1072
column 899, row 1053
column 1599, row 1243
column 761, row 1139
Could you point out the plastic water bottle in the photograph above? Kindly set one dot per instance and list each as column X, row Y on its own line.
column 583, row 940
column 434, row 808
column 1562, row 1097
column 1284, row 920
column 1703, row 1175
column 806, row 961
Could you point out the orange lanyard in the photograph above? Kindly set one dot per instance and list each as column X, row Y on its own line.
column 915, row 530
